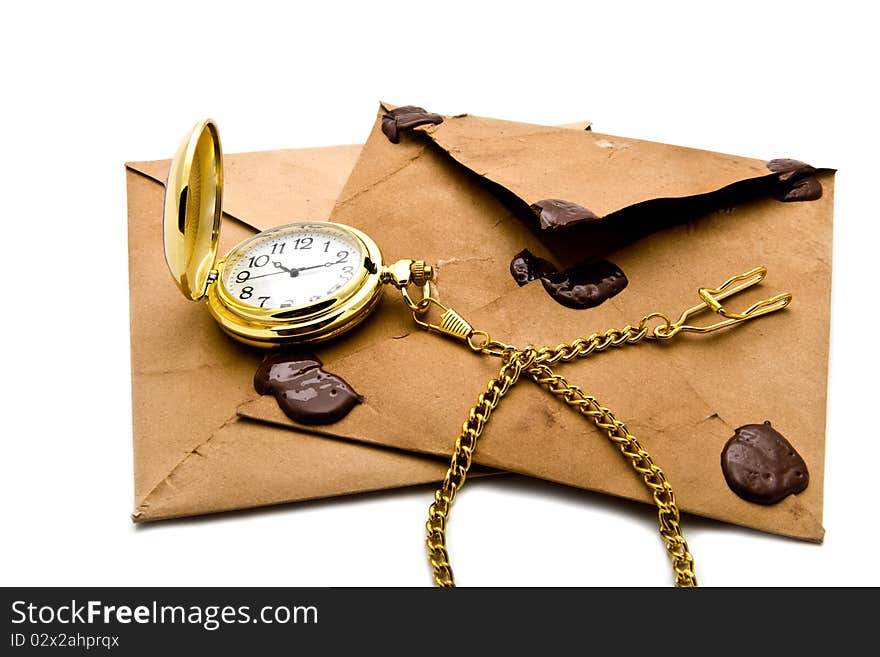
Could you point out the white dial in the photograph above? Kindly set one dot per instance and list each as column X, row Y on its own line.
column 293, row 266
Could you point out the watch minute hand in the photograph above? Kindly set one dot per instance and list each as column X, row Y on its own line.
column 281, row 270
column 323, row 264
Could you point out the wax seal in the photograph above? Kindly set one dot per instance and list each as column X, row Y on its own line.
column 304, row 391
column 554, row 213
column 796, row 180
column 585, row 284
column 527, row 267
column 761, row 466
column 406, row 118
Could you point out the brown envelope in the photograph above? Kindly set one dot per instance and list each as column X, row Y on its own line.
column 674, row 219
column 192, row 454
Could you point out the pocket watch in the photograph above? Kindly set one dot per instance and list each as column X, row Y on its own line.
column 302, row 282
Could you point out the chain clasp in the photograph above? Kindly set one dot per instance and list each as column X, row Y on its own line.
column 451, row 323
column 404, row 273
column 711, row 300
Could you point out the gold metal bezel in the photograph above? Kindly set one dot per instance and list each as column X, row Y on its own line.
column 322, row 320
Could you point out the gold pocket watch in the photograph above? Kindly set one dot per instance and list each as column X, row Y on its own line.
column 298, row 283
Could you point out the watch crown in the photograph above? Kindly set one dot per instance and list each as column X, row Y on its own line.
column 420, row 272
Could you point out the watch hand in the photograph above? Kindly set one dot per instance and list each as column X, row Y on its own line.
column 325, row 264
column 282, row 270
column 293, row 271
column 274, row 273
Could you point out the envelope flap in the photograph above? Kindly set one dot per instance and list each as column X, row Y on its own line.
column 600, row 173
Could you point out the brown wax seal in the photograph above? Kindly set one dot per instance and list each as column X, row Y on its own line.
column 803, row 189
column 555, row 213
column 303, row 390
column 406, row 118
column 527, row 267
column 586, row 284
column 796, row 180
column 761, row 466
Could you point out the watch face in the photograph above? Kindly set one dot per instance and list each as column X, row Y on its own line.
column 293, row 266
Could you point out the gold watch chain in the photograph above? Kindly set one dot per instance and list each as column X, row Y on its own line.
column 460, row 464
column 536, row 363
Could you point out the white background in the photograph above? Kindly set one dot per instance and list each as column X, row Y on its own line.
column 88, row 86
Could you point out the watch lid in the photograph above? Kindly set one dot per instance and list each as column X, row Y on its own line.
column 193, row 208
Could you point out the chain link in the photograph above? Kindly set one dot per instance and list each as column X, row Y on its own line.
column 583, row 347
column 462, row 455
column 628, row 444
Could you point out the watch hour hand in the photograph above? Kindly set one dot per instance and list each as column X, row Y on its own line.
column 293, row 272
